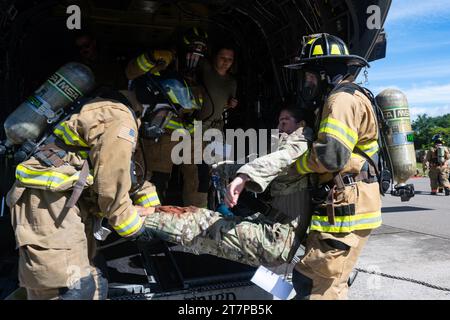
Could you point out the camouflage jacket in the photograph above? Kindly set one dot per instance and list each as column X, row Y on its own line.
column 277, row 171
column 275, row 168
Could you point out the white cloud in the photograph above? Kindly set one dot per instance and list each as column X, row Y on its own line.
column 417, row 26
column 431, row 111
column 414, row 72
column 412, row 9
column 430, row 95
column 433, row 100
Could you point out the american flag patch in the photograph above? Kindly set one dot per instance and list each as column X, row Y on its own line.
column 127, row 134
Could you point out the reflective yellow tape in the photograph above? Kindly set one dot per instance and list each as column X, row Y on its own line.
column 335, row 49
column 302, row 164
column 172, row 96
column 190, row 128
column 369, row 148
column 347, row 224
column 130, row 226
column 341, row 131
column 149, row 200
column 172, row 124
column 300, row 170
column 49, row 179
column 143, row 63
column 317, row 50
column 83, row 154
column 69, row 137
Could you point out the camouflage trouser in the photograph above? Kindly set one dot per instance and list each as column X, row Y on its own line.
column 252, row 241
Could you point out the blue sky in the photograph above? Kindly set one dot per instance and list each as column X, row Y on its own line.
column 418, row 55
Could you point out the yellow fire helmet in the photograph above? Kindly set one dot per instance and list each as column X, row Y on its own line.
column 325, row 48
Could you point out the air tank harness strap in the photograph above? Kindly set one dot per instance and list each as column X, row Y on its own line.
column 51, row 154
column 339, row 183
column 79, row 186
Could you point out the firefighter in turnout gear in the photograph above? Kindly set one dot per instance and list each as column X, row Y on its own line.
column 80, row 175
column 165, row 114
column 436, row 160
column 158, row 150
column 347, row 196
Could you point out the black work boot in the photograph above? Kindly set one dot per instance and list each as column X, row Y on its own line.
column 302, row 285
column 447, row 191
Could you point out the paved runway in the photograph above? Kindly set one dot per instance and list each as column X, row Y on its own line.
column 414, row 242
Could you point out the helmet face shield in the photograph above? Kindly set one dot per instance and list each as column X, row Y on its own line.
column 180, row 94
column 311, row 88
column 310, row 85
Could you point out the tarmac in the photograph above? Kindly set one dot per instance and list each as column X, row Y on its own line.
column 414, row 243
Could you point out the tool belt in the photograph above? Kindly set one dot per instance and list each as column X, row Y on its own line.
column 351, row 179
column 324, row 197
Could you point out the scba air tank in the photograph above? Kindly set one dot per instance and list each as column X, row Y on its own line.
column 400, row 136
column 29, row 120
column 441, row 154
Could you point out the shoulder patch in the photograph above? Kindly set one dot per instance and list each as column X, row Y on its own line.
column 127, row 134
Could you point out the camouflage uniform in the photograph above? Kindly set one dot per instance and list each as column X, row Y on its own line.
column 438, row 172
column 255, row 240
